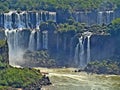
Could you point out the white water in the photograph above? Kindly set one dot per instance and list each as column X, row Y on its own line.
column 15, row 50
column 52, row 16
column 32, row 41
column 88, row 49
column 81, row 55
column 37, row 21
column 38, row 40
column 7, row 20
column 110, row 16
column 25, row 19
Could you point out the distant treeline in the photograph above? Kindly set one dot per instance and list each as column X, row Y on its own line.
column 53, row 5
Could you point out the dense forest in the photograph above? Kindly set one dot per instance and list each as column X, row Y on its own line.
column 53, row 5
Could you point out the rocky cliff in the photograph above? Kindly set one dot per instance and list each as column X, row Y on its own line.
column 4, row 50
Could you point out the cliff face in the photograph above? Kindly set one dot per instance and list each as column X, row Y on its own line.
column 4, row 57
column 65, row 46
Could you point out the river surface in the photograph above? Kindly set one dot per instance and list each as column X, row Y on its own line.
column 66, row 79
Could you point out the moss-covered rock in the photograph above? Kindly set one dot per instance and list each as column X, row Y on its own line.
column 38, row 59
column 103, row 67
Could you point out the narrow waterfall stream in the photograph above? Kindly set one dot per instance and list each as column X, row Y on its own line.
column 31, row 46
column 81, row 55
column 88, row 49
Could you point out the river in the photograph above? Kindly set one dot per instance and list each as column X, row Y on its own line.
column 66, row 79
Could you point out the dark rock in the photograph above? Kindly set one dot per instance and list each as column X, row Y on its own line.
column 38, row 84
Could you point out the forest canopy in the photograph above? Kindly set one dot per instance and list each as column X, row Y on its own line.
column 53, row 5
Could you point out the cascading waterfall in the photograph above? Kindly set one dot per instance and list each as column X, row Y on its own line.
column 37, row 21
column 15, row 50
column 38, row 41
column 110, row 16
column 8, row 20
column 88, row 36
column 19, row 22
column 80, row 52
column 26, row 19
column 14, row 23
column 31, row 46
column 52, row 16
column 88, row 48
column 100, row 17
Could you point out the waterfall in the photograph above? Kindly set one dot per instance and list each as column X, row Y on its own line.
column 15, row 49
column 37, row 21
column 110, row 17
column 19, row 24
column 21, row 20
column 52, row 16
column 27, row 18
column 88, row 49
column 8, row 20
column 38, row 40
column 32, row 41
column 16, row 25
column 76, row 54
column 88, row 35
column 81, row 54
column 100, row 17
column 41, row 18
column 45, row 39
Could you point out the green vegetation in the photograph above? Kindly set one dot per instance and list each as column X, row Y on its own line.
column 38, row 59
column 71, row 25
column 114, row 27
column 104, row 67
column 53, row 5
column 116, row 21
column 2, row 43
column 17, row 77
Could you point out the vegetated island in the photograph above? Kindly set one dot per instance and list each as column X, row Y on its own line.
column 12, row 78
